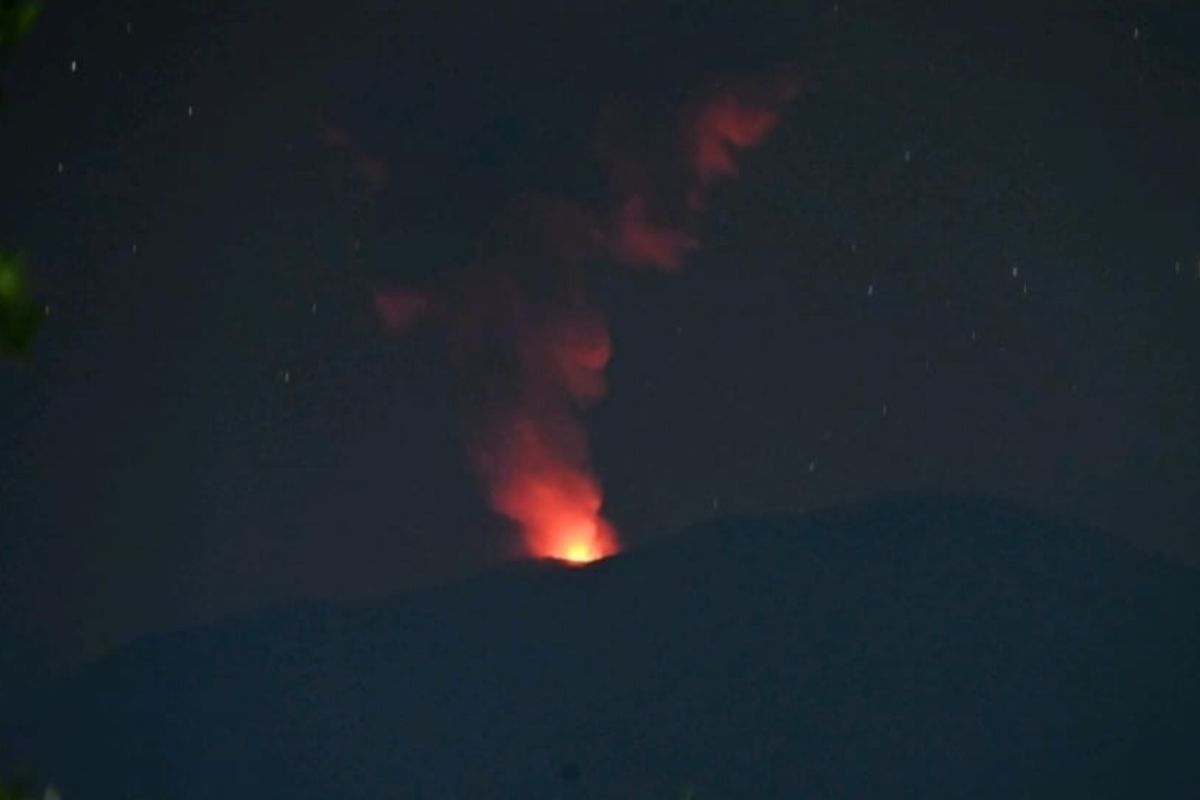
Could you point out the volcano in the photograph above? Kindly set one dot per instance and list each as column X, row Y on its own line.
column 922, row 646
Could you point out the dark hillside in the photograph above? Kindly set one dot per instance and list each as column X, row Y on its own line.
column 917, row 647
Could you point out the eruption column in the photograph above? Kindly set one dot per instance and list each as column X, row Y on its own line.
column 531, row 351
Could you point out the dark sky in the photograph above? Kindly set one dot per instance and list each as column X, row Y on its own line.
column 968, row 259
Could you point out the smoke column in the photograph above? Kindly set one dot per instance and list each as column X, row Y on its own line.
column 530, row 349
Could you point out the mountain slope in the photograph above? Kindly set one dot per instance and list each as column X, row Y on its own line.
column 911, row 647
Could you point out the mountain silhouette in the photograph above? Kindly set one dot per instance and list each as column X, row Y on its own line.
column 920, row 646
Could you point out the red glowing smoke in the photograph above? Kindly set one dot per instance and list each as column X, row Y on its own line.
column 400, row 308
column 530, row 353
column 373, row 171
column 529, row 348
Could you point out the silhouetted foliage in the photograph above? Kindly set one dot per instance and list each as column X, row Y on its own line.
column 24, row 789
column 16, row 18
column 19, row 314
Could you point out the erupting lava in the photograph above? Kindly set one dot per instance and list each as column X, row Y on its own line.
column 560, row 515
column 582, row 542
column 531, row 351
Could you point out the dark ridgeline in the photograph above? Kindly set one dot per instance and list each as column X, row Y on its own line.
column 915, row 647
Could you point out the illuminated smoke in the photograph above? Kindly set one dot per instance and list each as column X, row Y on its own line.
column 530, row 349
column 371, row 170
column 401, row 308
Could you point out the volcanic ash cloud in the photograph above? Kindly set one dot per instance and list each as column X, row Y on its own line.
column 529, row 347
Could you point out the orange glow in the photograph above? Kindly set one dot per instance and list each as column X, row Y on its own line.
column 582, row 544
column 540, row 480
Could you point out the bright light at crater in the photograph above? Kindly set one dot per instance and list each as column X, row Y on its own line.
column 582, row 543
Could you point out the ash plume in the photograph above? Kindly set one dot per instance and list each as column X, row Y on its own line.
column 530, row 348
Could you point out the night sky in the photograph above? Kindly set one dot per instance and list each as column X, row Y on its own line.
column 967, row 259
